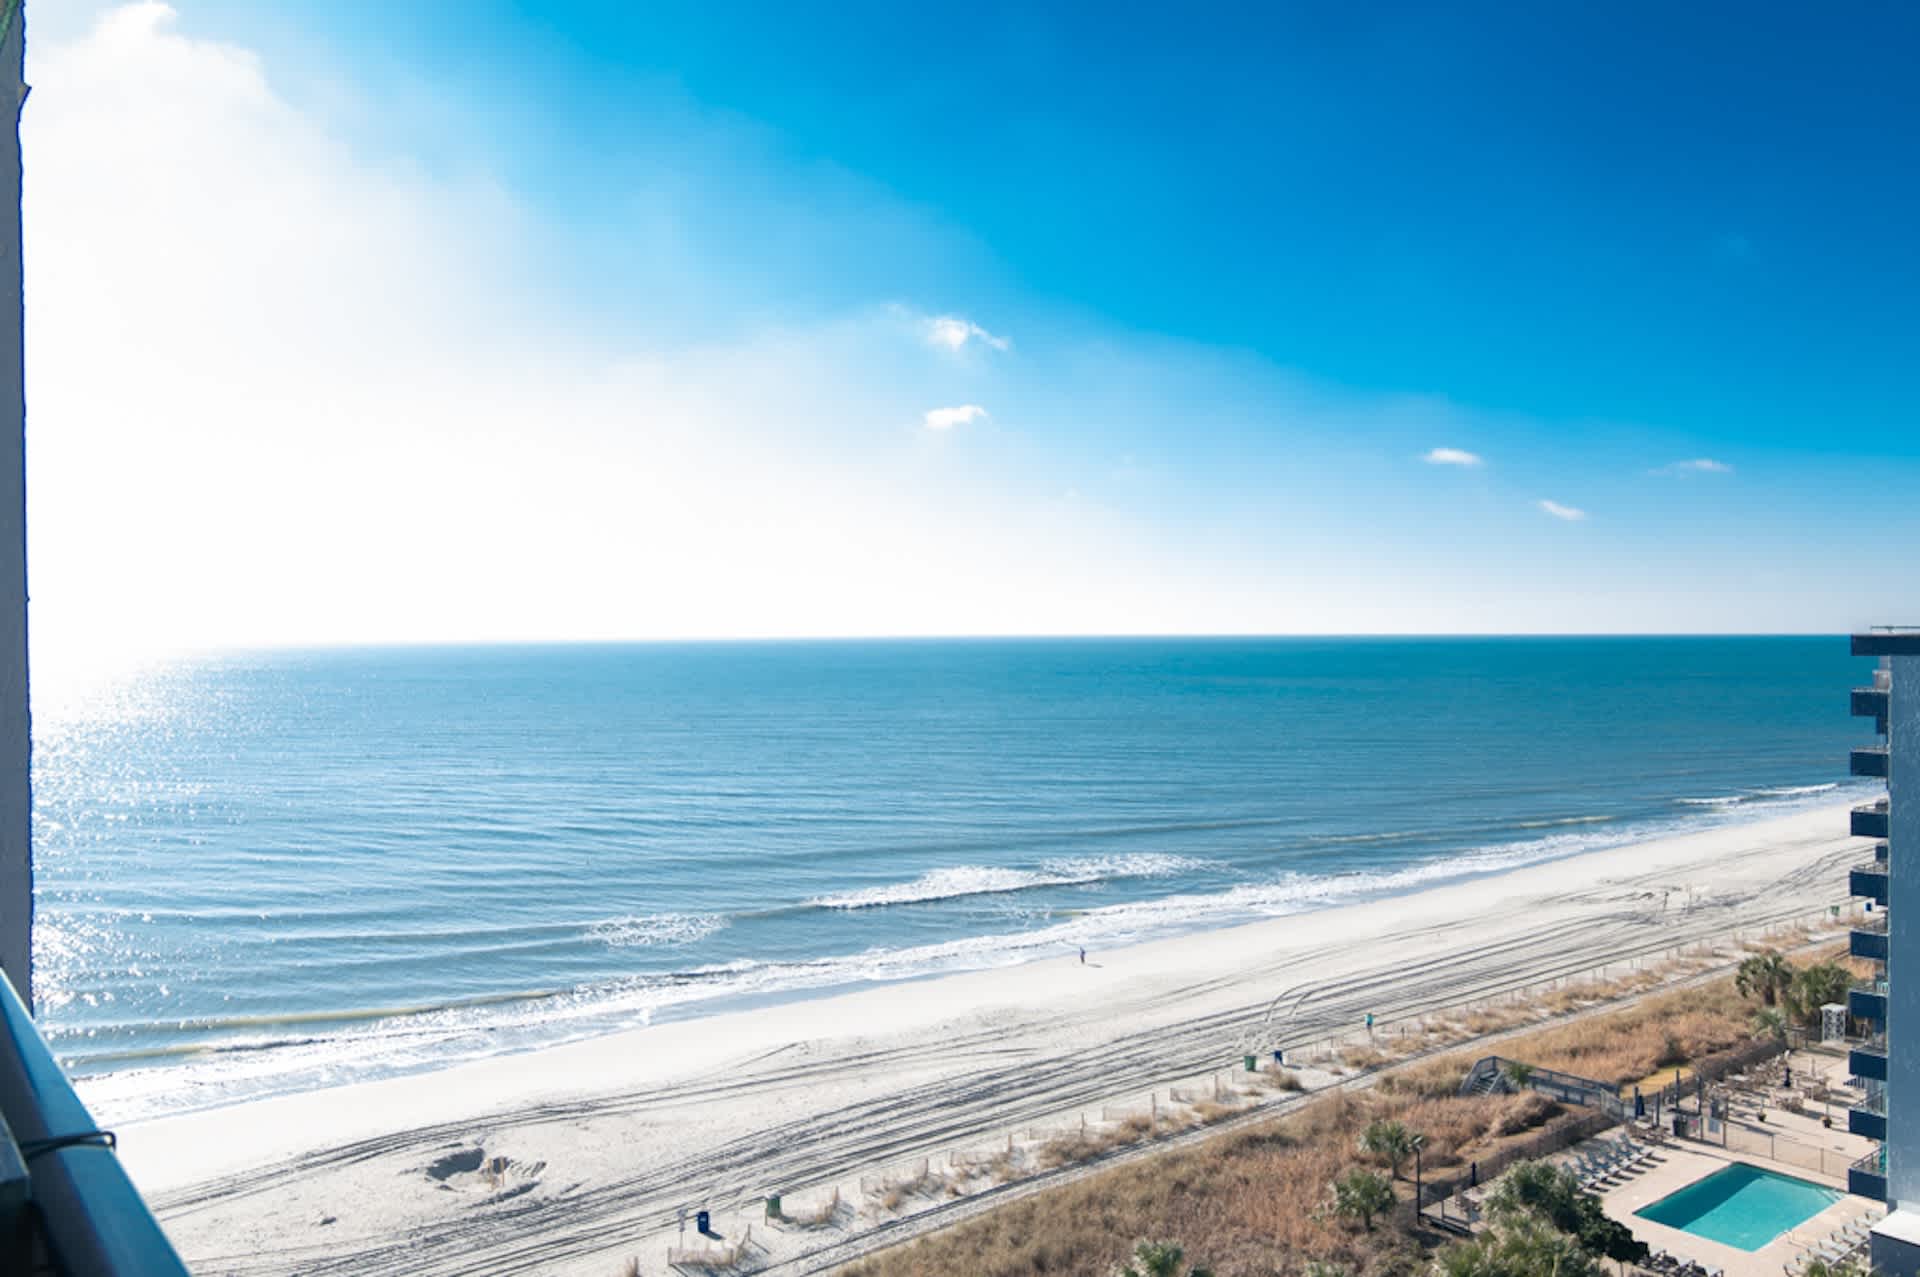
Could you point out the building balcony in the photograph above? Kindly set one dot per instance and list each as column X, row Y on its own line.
column 1868, row 1176
column 66, row 1206
column 1862, row 1122
column 1868, row 939
column 1868, row 760
column 1867, row 1058
column 1869, row 1117
column 1868, row 1001
column 1870, row 820
column 1888, row 640
column 1869, row 881
column 1871, row 702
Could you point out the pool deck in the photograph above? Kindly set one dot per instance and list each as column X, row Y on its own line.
column 1803, row 1143
column 1684, row 1164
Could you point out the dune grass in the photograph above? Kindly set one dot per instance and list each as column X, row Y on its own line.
column 1255, row 1201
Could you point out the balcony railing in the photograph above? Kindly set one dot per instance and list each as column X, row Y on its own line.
column 1867, row 1060
column 1869, row 880
column 1868, row 938
column 1868, row 760
column 1868, row 1176
column 82, row 1209
column 1888, row 640
column 1869, row 820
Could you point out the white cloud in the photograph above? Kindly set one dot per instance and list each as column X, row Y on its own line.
column 948, row 418
column 1559, row 511
column 1452, row 457
column 951, row 332
column 1699, row 465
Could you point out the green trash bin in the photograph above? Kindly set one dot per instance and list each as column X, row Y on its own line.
column 1251, row 1063
column 773, row 1206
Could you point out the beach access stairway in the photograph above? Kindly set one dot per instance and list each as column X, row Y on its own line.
column 1497, row 1075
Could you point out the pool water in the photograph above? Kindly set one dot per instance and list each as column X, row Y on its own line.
column 1741, row 1206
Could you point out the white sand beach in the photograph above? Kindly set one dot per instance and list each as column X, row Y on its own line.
column 606, row 1142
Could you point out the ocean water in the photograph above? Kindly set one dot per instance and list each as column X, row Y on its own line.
column 273, row 872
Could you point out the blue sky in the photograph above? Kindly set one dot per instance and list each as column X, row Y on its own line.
column 982, row 321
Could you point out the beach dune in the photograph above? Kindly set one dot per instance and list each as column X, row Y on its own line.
column 571, row 1159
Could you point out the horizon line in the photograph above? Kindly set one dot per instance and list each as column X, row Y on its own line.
column 961, row 637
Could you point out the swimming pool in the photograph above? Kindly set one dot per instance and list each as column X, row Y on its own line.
column 1741, row 1206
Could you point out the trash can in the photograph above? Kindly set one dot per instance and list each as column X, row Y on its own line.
column 1250, row 1064
column 773, row 1206
column 1680, row 1125
column 702, row 1222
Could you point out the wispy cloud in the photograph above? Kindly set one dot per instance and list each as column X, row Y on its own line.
column 1558, row 511
column 951, row 332
column 1699, row 465
column 1453, row 457
column 948, row 418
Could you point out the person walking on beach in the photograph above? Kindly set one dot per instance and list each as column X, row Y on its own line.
column 1083, row 955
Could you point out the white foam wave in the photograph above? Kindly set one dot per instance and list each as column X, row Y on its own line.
column 248, row 1066
column 1771, row 795
column 648, row 930
column 960, row 881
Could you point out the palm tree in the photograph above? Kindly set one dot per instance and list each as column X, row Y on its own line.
column 1362, row 1194
column 1815, row 987
column 1770, row 1022
column 1517, row 1246
column 1391, row 1142
column 1158, row 1259
column 1767, row 974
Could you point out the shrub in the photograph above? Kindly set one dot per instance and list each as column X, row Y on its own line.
column 1158, row 1259
column 1362, row 1194
column 1391, row 1142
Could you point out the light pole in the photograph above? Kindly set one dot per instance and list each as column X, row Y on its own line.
column 1417, row 1202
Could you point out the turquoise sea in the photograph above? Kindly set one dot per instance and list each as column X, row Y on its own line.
column 271, row 872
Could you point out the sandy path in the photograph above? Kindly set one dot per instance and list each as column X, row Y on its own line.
column 611, row 1139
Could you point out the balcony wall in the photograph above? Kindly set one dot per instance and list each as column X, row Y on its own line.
column 1869, row 882
column 1869, row 760
column 1866, row 1004
column 1871, row 945
column 1863, row 1122
column 1867, row 1182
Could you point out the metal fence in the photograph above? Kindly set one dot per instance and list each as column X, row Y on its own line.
column 1782, row 1148
column 1498, row 1074
column 1436, row 1187
column 1713, row 1068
